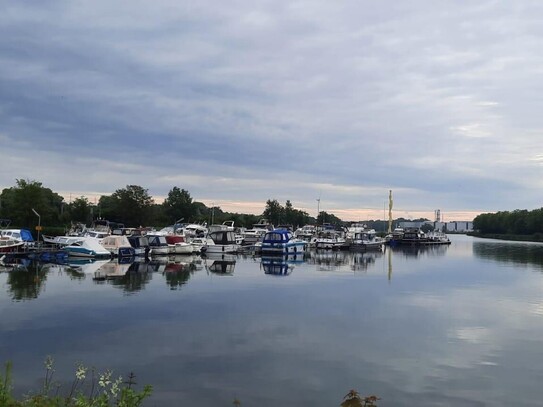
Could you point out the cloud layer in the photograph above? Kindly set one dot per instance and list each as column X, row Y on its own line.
column 246, row 101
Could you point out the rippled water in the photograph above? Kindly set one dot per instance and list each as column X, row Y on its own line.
column 456, row 325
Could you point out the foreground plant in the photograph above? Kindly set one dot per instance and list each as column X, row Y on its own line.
column 103, row 390
column 353, row 399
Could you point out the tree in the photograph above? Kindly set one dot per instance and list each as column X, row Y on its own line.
column 18, row 202
column 80, row 210
column 179, row 205
column 131, row 205
column 274, row 212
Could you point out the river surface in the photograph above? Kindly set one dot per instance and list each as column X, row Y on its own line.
column 449, row 325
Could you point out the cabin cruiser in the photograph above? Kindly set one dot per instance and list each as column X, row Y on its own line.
column 330, row 240
column 282, row 241
column 221, row 241
column 158, row 245
column 367, row 240
column 251, row 236
column 118, row 246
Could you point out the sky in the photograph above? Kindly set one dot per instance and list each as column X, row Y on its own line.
column 327, row 104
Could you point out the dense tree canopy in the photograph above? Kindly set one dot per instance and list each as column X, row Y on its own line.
column 179, row 205
column 17, row 202
column 518, row 222
column 133, row 206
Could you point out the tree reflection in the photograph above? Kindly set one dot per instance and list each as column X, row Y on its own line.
column 26, row 281
column 514, row 253
column 178, row 274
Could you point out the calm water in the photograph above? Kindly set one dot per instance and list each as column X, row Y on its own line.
column 457, row 325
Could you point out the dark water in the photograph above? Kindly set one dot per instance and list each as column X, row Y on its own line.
column 457, row 325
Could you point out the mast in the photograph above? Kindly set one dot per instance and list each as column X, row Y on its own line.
column 390, row 202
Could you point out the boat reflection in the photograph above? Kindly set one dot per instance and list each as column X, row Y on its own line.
column 328, row 260
column 110, row 270
column 419, row 251
column 281, row 265
column 220, row 264
column 178, row 270
column 362, row 261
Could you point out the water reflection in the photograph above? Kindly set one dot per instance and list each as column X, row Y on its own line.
column 220, row 264
column 329, row 260
column 420, row 251
column 364, row 260
column 281, row 265
column 178, row 271
column 508, row 252
column 26, row 280
column 134, row 280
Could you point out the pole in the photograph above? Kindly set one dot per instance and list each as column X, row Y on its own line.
column 39, row 224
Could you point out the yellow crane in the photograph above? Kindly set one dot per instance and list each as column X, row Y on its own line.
column 390, row 211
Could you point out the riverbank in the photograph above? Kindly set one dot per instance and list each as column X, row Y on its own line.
column 536, row 237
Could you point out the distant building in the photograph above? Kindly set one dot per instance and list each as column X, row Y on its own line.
column 459, row 227
column 410, row 224
column 453, row 227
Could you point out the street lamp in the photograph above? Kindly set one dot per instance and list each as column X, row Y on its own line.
column 318, row 210
column 38, row 228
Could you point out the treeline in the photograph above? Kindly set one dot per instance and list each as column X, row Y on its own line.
column 133, row 206
column 518, row 222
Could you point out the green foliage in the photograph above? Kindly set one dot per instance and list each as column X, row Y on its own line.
column 178, row 205
column 325, row 217
column 80, row 210
column 287, row 215
column 104, row 390
column 18, row 201
column 517, row 222
column 131, row 206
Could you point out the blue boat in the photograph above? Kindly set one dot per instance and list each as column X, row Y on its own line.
column 282, row 241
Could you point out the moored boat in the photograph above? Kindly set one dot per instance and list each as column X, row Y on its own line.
column 282, row 241
column 221, row 241
column 80, row 246
column 367, row 240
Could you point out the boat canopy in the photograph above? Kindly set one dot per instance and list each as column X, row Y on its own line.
column 277, row 236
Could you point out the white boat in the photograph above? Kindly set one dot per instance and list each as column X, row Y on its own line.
column 367, row 240
column 282, row 241
column 118, row 246
column 198, row 244
column 221, row 241
column 195, row 230
column 80, row 246
column 178, row 245
column 20, row 235
column 330, row 240
column 8, row 245
column 251, row 236
column 306, row 232
column 158, row 245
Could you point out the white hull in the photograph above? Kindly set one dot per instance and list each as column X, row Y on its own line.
column 219, row 248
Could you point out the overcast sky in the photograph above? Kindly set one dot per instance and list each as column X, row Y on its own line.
column 243, row 101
